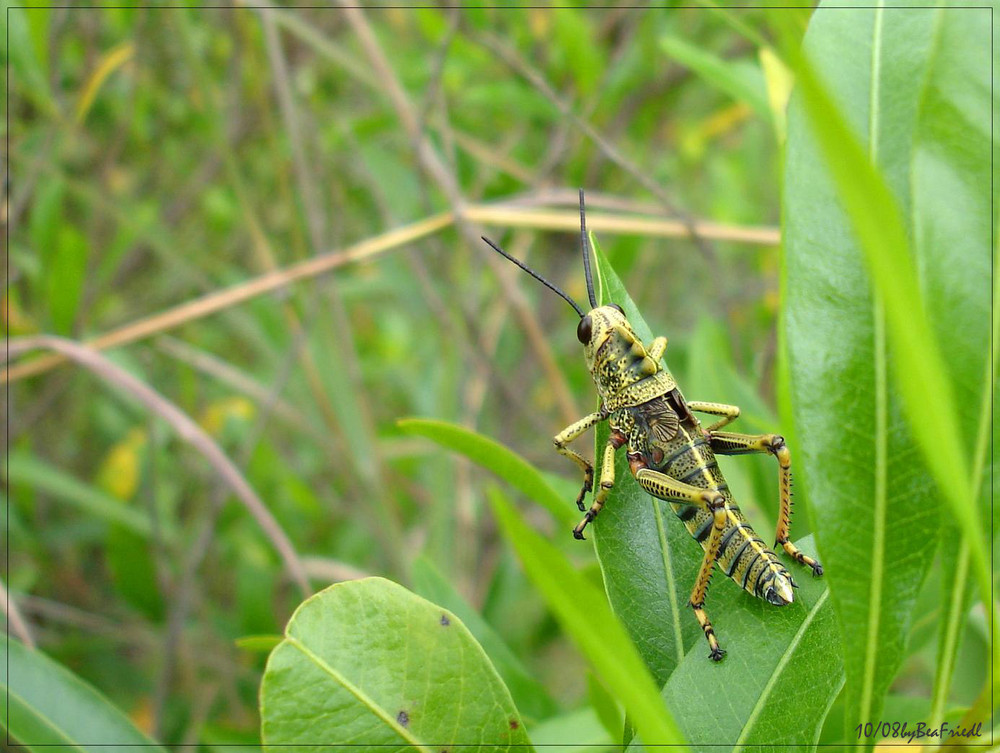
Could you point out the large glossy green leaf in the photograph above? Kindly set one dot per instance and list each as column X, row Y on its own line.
column 951, row 243
column 528, row 693
column 859, row 358
column 366, row 662
column 49, row 706
column 583, row 612
column 783, row 671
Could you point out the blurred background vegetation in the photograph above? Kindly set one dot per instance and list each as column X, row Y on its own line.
column 164, row 156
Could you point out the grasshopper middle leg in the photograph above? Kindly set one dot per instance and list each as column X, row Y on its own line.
column 732, row 443
column 664, row 487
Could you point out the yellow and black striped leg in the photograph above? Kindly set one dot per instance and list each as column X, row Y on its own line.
column 729, row 413
column 656, row 348
column 664, row 487
column 607, row 483
column 566, row 436
column 730, row 443
column 697, row 602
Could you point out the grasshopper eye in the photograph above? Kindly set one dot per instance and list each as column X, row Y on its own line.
column 583, row 330
column 617, row 308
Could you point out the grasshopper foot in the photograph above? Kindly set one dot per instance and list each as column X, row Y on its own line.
column 717, row 654
column 578, row 531
column 588, row 486
column 803, row 559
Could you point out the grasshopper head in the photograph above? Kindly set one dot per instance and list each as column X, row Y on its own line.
column 596, row 327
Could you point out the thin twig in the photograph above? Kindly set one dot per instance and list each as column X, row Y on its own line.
column 654, row 227
column 232, row 377
column 223, row 299
column 331, row 570
column 500, row 215
column 186, row 429
column 289, row 113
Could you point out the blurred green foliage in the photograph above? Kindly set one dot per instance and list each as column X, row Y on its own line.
column 158, row 155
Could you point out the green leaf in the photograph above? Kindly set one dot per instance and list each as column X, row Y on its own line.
column 367, row 662
column 20, row 33
column 783, row 671
column 870, row 388
column 576, row 49
column 528, row 693
column 583, row 612
column 951, row 244
column 65, row 271
column 28, row 470
column 50, row 706
column 258, row 644
column 129, row 558
column 605, row 706
column 742, row 80
column 494, row 457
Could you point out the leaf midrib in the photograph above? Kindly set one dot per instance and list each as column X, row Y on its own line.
column 881, row 411
column 778, row 669
column 359, row 694
column 669, row 573
column 42, row 718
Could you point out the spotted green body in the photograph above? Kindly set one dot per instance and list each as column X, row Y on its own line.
column 662, row 434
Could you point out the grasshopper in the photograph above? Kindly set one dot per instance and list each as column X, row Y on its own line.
column 671, row 455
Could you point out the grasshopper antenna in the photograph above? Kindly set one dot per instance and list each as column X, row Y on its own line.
column 585, row 245
column 537, row 276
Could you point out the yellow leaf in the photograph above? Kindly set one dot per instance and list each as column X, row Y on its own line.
column 111, row 60
column 16, row 321
column 122, row 467
column 219, row 413
column 779, row 80
column 142, row 714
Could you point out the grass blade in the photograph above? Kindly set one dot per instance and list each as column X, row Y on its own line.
column 494, row 457
column 584, row 614
column 50, row 706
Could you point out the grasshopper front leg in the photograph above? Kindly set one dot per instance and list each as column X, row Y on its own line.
column 567, row 435
column 732, row 443
column 615, row 441
column 656, row 348
column 664, row 487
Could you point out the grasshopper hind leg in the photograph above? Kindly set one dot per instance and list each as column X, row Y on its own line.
column 732, row 443
column 664, row 487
